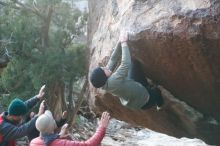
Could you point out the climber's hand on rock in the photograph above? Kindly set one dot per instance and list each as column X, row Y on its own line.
column 123, row 36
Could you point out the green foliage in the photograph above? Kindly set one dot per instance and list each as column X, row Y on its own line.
column 31, row 65
column 56, row 64
column 78, row 120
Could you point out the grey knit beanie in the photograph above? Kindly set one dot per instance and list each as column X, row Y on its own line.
column 45, row 123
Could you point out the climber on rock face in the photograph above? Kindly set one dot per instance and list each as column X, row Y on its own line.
column 128, row 81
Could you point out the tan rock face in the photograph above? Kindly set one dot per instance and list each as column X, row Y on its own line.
column 178, row 44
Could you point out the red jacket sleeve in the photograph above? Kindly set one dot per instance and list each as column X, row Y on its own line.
column 95, row 140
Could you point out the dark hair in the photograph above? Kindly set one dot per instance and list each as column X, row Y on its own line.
column 98, row 77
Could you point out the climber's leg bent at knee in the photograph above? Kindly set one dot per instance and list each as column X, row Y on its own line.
column 136, row 73
column 155, row 98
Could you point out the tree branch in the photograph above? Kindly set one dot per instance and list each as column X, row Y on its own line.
column 7, row 4
column 79, row 102
column 29, row 8
column 3, row 3
column 24, row 7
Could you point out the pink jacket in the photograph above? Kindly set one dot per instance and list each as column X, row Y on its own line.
column 95, row 140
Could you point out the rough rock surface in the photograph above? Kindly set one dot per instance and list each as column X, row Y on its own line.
column 119, row 133
column 178, row 44
column 122, row 134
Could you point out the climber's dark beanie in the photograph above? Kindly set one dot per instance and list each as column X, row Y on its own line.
column 98, row 77
column 17, row 107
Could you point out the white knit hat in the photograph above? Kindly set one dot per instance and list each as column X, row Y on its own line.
column 45, row 123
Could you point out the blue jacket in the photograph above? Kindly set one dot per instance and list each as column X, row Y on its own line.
column 9, row 131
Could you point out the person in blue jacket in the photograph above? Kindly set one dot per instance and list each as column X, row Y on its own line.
column 10, row 121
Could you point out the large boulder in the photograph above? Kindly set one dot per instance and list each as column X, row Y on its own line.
column 178, row 44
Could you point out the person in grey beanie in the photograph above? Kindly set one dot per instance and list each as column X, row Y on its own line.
column 35, row 133
column 46, row 126
column 128, row 81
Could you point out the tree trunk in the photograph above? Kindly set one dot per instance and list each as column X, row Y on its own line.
column 79, row 102
column 46, row 27
column 70, row 100
column 3, row 61
column 56, row 100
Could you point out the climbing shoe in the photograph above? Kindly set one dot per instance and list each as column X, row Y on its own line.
column 157, row 96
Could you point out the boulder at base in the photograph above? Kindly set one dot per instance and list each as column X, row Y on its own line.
column 178, row 45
